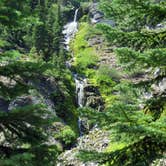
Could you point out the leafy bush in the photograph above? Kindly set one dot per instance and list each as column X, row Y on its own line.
column 66, row 135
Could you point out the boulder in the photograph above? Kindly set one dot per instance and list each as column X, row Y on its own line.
column 93, row 98
column 95, row 14
column 98, row 15
column 91, row 89
column 95, row 102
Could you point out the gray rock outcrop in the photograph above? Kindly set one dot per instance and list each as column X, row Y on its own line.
column 93, row 98
column 97, row 140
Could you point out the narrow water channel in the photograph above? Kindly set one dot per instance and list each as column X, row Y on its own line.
column 70, row 29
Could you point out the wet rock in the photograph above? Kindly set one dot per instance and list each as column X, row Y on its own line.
column 93, row 98
column 95, row 102
column 80, row 89
column 90, row 89
column 160, row 26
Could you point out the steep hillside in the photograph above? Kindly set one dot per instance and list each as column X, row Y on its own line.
column 125, row 72
column 82, row 83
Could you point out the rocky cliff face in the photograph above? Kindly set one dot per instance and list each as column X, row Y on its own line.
column 93, row 98
column 97, row 140
column 44, row 88
column 97, row 16
column 88, row 95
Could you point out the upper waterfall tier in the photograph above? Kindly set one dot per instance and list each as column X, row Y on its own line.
column 70, row 30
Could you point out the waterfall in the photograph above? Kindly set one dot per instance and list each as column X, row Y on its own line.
column 70, row 29
column 80, row 84
column 75, row 15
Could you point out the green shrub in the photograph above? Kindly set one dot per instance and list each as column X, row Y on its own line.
column 85, row 56
column 86, row 59
column 66, row 135
column 107, row 75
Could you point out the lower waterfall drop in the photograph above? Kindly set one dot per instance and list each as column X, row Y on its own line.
column 80, row 85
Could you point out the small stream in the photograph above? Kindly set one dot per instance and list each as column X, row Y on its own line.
column 70, row 29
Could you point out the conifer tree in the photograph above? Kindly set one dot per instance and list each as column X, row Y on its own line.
column 23, row 130
column 47, row 34
column 139, row 37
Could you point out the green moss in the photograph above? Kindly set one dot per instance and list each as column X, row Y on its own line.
column 113, row 146
column 85, row 56
column 86, row 62
column 86, row 59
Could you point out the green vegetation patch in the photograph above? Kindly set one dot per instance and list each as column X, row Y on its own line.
column 85, row 56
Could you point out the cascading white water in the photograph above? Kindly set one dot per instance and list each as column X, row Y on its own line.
column 75, row 15
column 80, row 84
column 69, row 32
